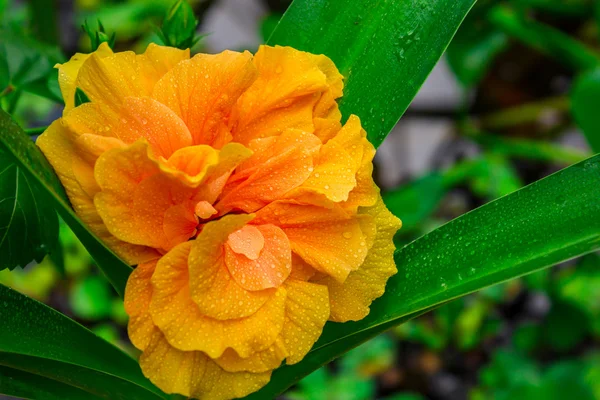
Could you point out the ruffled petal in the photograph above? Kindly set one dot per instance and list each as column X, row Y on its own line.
column 110, row 80
column 212, row 287
column 203, row 90
column 266, row 268
column 194, row 374
column 186, row 328
column 57, row 144
column 277, row 166
column 288, row 86
column 351, row 300
column 138, row 294
column 306, row 311
column 317, row 234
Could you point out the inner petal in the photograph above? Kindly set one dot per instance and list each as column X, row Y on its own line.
column 272, row 266
column 247, row 241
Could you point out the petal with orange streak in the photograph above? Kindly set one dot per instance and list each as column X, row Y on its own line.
column 186, row 328
column 214, row 291
column 138, row 294
column 194, row 374
column 317, row 234
column 203, row 90
column 306, row 311
column 57, row 146
column 351, row 300
column 67, row 74
column 145, row 118
column 272, row 264
column 271, row 172
column 288, row 86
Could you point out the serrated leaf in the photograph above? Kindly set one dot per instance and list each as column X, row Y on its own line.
column 28, row 224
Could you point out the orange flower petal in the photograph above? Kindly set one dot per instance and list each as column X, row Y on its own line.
column 283, row 96
column 186, row 328
column 138, row 294
column 57, row 145
column 317, row 234
column 143, row 117
column 271, row 172
column 109, row 80
column 203, row 90
column 258, row 257
column 192, row 163
column 193, row 374
column 351, row 300
column 67, row 74
column 306, row 312
column 212, row 287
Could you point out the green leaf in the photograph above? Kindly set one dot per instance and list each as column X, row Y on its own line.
column 385, row 49
column 80, row 97
column 28, row 224
column 584, row 100
column 27, row 64
column 475, row 46
column 33, row 163
column 39, row 340
column 14, row 382
column 557, row 217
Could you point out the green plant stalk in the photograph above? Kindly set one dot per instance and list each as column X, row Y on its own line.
column 525, row 113
column 547, row 222
column 35, row 131
column 565, row 8
column 544, row 38
column 529, row 149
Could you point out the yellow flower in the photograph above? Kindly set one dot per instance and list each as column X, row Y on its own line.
column 249, row 209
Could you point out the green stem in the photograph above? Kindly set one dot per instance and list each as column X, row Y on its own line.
column 544, row 38
column 13, row 100
column 35, row 131
column 561, row 8
column 525, row 113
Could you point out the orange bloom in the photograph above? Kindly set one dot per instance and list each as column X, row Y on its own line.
column 249, row 209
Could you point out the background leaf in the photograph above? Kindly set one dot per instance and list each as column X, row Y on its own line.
column 28, row 223
column 385, row 49
column 558, row 217
column 38, row 340
column 28, row 157
column 584, row 103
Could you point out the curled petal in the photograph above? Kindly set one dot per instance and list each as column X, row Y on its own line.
column 258, row 268
column 351, row 300
column 288, row 86
column 194, row 374
column 214, row 291
column 203, row 90
column 186, row 328
column 317, row 234
column 138, row 294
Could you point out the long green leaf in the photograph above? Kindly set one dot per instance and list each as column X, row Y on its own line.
column 32, row 162
column 39, row 340
column 14, row 382
column 549, row 221
column 384, row 48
